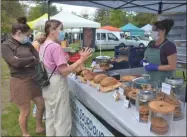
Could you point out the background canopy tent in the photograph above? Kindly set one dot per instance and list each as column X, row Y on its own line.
column 69, row 20
column 110, row 28
column 38, row 22
column 133, row 30
column 147, row 28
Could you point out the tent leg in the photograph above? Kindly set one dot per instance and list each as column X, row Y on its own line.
column 48, row 8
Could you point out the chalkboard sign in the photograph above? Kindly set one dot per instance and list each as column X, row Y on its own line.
column 178, row 31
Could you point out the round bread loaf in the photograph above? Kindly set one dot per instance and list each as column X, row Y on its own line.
column 108, row 81
column 90, row 76
column 84, row 72
column 99, row 78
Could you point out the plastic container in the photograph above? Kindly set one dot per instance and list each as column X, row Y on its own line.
column 180, row 43
column 181, row 50
column 142, row 108
column 146, row 84
column 181, row 57
column 177, row 96
column 160, row 117
column 136, row 54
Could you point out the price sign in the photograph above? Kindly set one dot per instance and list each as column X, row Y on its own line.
column 126, row 103
column 115, row 95
column 74, row 76
column 98, row 87
column 166, row 88
column 88, row 82
column 121, row 91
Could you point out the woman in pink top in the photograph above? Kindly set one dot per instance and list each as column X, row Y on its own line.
column 56, row 95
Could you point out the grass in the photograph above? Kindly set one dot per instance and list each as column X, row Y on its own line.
column 10, row 113
column 10, row 126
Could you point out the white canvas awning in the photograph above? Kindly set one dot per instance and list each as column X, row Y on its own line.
column 147, row 28
column 70, row 20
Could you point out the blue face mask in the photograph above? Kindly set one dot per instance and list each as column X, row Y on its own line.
column 61, row 36
column 25, row 40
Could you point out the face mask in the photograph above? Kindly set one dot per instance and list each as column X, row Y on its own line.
column 154, row 35
column 25, row 40
column 61, row 36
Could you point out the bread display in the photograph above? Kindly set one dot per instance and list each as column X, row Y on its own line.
column 79, row 70
column 108, row 81
column 159, row 125
column 128, row 78
column 84, row 72
column 99, row 78
column 89, row 76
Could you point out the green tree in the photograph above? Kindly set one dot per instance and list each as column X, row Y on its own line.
column 85, row 16
column 142, row 19
column 40, row 9
column 102, row 16
column 118, row 18
column 10, row 10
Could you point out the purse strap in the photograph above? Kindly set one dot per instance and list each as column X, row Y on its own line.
column 43, row 58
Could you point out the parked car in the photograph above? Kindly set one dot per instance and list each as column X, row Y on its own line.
column 107, row 40
column 136, row 41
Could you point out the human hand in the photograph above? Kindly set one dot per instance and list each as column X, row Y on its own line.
column 151, row 67
column 85, row 54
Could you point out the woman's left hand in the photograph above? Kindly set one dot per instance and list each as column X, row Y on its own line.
column 151, row 67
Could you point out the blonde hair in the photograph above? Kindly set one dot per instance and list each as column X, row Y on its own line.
column 40, row 37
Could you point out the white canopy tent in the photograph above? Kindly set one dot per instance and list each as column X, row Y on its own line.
column 70, row 20
column 147, row 28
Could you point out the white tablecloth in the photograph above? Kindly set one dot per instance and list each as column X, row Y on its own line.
column 114, row 113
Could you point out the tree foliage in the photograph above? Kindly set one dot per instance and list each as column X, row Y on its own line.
column 40, row 9
column 144, row 18
column 119, row 18
column 102, row 16
column 10, row 10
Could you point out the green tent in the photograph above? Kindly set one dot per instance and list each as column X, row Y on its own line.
column 33, row 24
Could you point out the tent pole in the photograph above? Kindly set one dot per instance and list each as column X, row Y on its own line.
column 48, row 8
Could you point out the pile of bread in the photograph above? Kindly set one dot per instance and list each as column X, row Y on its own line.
column 96, row 78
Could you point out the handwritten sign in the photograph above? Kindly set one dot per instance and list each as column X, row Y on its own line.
column 166, row 88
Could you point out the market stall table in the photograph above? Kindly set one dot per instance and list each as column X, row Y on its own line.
column 114, row 113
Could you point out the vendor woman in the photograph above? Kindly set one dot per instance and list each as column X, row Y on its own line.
column 161, row 53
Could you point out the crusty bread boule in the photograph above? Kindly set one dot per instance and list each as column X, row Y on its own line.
column 108, row 81
column 89, row 76
column 99, row 78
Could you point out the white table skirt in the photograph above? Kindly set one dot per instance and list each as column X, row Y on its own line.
column 114, row 113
